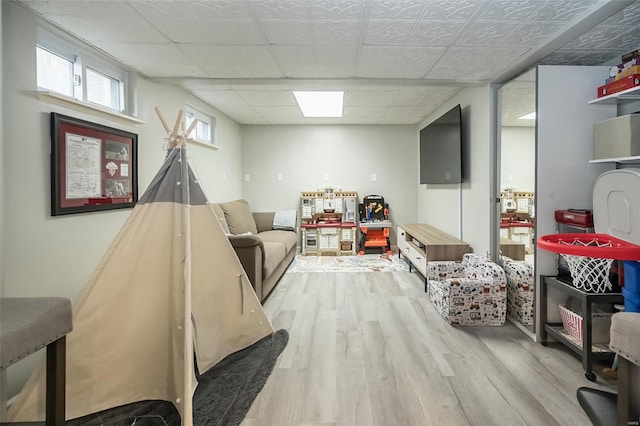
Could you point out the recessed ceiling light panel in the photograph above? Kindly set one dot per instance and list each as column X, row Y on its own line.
column 320, row 104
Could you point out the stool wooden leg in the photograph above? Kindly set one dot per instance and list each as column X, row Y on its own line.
column 56, row 371
column 628, row 393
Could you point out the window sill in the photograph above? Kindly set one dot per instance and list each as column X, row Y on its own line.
column 67, row 102
column 204, row 144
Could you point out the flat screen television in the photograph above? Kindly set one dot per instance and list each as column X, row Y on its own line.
column 441, row 149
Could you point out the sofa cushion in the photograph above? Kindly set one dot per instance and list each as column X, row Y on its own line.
column 287, row 238
column 220, row 215
column 239, row 217
column 274, row 254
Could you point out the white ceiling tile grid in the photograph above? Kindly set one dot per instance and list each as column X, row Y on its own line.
column 245, row 56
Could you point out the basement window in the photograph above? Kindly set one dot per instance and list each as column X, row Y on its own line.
column 204, row 129
column 55, row 72
column 70, row 68
column 103, row 89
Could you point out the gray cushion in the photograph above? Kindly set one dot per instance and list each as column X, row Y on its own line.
column 625, row 335
column 217, row 209
column 239, row 217
column 28, row 324
column 287, row 238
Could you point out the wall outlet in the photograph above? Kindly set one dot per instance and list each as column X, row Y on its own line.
column 326, row 177
column 374, row 177
column 279, row 176
column 247, row 177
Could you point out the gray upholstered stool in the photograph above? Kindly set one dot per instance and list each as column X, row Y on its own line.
column 625, row 341
column 603, row 408
column 28, row 325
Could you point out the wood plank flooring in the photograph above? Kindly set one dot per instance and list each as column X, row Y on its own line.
column 370, row 349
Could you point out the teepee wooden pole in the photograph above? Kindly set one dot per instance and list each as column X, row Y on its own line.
column 176, row 127
column 188, row 390
column 162, row 120
column 193, row 124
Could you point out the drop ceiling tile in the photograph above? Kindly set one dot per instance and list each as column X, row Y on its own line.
column 268, row 98
column 397, row 9
column 289, row 32
column 630, row 15
column 468, row 63
column 230, row 9
column 602, row 36
column 565, row 10
column 316, row 62
column 531, row 33
column 394, row 61
column 78, row 8
column 486, row 33
column 150, row 59
column 234, row 61
column 435, row 32
column 220, row 98
column 630, row 41
column 126, row 28
column 343, row 32
column 274, row 113
column 336, row 9
column 364, row 111
column 214, row 31
column 386, row 32
column 586, row 57
column 369, row 97
column 509, row 10
column 431, row 95
column 242, row 114
column 403, row 115
column 451, row 9
column 281, row 9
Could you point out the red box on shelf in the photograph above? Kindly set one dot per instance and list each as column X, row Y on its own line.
column 577, row 217
column 619, row 85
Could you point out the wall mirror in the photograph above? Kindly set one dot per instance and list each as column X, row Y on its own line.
column 517, row 175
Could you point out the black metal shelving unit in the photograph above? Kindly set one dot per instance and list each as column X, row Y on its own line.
column 555, row 330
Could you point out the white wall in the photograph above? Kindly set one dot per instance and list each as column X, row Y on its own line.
column 518, row 158
column 564, row 147
column 53, row 256
column 347, row 154
column 466, row 207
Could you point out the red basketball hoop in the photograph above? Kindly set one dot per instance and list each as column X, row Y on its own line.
column 590, row 245
column 589, row 257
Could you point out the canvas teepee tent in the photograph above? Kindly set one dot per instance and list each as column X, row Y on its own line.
column 170, row 286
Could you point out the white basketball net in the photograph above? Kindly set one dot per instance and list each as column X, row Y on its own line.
column 590, row 274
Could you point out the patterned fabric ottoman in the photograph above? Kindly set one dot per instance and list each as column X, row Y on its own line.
column 520, row 290
column 469, row 293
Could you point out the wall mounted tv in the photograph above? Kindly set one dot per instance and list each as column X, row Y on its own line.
column 441, row 149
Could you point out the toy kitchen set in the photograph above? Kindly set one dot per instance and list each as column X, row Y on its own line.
column 328, row 221
column 517, row 217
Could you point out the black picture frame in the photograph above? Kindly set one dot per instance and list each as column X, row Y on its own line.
column 93, row 167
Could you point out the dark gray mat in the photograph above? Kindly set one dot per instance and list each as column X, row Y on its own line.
column 223, row 397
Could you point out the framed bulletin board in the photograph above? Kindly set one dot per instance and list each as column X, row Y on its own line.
column 93, row 167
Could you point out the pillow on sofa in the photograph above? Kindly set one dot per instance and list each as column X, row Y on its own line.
column 220, row 215
column 285, row 219
column 239, row 217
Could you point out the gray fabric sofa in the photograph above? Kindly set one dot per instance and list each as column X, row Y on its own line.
column 265, row 252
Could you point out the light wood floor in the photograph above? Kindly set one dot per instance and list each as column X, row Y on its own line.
column 370, row 349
